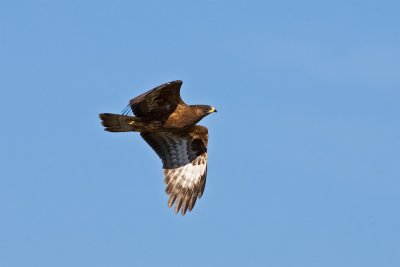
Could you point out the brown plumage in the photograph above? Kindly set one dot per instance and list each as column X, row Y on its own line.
column 168, row 125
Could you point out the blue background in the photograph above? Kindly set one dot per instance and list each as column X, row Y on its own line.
column 304, row 152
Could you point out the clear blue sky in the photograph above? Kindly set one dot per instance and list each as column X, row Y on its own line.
column 304, row 152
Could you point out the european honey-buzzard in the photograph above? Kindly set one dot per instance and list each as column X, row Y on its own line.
column 168, row 125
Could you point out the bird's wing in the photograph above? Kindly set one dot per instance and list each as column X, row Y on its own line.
column 158, row 103
column 184, row 157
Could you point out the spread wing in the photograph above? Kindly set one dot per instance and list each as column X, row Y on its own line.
column 184, row 157
column 158, row 103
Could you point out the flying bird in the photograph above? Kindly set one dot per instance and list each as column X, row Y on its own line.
column 168, row 125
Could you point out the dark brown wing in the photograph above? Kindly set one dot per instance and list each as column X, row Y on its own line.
column 184, row 157
column 158, row 103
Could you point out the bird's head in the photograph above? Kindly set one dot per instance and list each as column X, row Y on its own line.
column 203, row 110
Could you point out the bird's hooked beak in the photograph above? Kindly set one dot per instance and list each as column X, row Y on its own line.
column 212, row 110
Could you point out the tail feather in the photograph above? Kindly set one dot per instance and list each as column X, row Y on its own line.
column 124, row 123
column 118, row 123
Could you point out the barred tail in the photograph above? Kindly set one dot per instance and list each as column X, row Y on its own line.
column 118, row 123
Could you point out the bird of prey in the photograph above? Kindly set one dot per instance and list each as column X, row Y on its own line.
column 168, row 125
